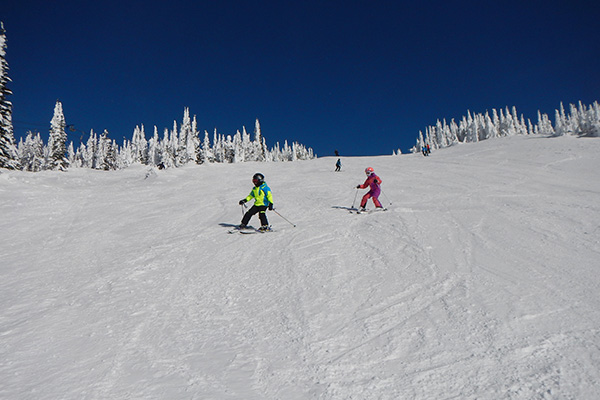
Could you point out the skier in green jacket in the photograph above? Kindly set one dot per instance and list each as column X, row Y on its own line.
column 263, row 200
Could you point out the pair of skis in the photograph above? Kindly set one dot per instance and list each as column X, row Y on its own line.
column 249, row 230
column 362, row 211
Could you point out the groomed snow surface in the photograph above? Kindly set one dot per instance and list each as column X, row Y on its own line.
column 480, row 282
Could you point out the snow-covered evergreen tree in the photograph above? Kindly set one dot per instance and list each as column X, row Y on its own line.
column 219, row 147
column 124, row 154
column 70, row 153
column 593, row 116
column 420, row 141
column 489, row 129
column 184, row 132
column 168, row 155
column 32, row 152
column 238, row 150
column 92, row 159
column 276, row 153
column 9, row 157
column 560, row 122
column 207, row 153
column 259, row 151
column 154, row 154
column 107, row 152
column 188, row 140
column 229, row 150
column 173, row 145
column 265, row 150
column 246, row 144
column 79, row 159
column 193, row 146
column 139, row 146
column 538, row 129
column 57, row 155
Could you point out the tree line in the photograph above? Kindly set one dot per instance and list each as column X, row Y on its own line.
column 175, row 147
column 581, row 120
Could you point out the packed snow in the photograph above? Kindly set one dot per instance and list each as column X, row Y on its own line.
column 481, row 281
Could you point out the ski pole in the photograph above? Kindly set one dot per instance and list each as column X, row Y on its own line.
column 287, row 220
column 354, row 201
column 385, row 196
column 243, row 209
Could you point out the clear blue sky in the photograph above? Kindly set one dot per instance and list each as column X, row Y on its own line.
column 362, row 77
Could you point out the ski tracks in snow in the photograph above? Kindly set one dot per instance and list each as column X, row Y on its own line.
column 470, row 286
column 352, row 325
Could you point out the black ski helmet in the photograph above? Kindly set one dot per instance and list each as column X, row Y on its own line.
column 258, row 179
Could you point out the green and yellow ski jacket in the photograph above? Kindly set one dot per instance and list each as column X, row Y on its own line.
column 261, row 194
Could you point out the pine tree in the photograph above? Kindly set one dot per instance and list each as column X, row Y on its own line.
column 238, row 150
column 594, row 117
column 489, row 128
column 57, row 157
column 194, row 142
column 216, row 146
column 79, row 157
column 91, row 156
column 173, row 145
column 154, row 157
column 246, row 145
column 108, row 155
column 472, row 128
column 168, row 157
column 277, row 152
column 560, row 122
column 124, row 154
column 205, row 154
column 139, row 145
column 421, row 140
column 258, row 143
column 495, row 123
column 32, row 153
column 71, row 153
column 9, row 157
column 188, row 139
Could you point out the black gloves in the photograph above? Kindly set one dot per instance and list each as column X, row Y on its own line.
column 243, row 201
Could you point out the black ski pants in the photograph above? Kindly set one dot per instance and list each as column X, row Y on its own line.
column 262, row 215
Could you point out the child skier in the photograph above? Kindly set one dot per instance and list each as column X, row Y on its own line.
column 373, row 182
column 263, row 200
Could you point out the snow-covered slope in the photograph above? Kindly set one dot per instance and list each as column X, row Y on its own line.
column 481, row 281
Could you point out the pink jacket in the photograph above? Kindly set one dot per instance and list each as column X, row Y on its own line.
column 373, row 181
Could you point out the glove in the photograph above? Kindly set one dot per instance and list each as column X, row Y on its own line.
column 242, row 202
column 271, row 208
column 358, row 186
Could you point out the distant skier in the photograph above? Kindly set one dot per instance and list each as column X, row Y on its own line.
column 338, row 165
column 428, row 149
column 424, row 150
column 373, row 182
column 263, row 200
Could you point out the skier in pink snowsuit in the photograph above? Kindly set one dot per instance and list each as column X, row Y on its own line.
column 373, row 182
